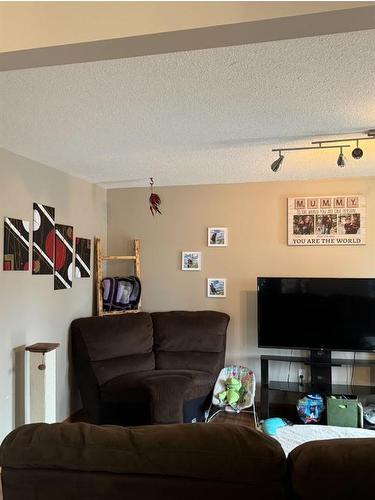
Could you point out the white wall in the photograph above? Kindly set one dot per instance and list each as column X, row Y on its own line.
column 30, row 310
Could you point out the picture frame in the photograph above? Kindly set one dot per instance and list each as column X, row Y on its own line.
column 327, row 220
column 191, row 261
column 217, row 288
column 217, row 236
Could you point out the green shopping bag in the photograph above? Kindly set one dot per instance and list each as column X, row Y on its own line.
column 342, row 412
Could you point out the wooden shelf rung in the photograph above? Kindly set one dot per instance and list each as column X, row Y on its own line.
column 113, row 313
column 119, row 257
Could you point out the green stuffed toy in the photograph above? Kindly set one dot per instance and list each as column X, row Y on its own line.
column 232, row 393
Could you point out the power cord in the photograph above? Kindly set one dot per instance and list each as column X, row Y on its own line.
column 353, row 368
column 290, row 364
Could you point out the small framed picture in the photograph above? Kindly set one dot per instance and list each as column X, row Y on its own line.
column 216, row 287
column 191, row 261
column 217, row 236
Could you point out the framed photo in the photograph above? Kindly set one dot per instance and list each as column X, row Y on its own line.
column 191, row 261
column 216, row 287
column 217, row 237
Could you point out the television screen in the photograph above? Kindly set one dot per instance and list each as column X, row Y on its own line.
column 337, row 314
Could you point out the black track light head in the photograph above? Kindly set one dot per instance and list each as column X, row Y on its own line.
column 357, row 152
column 276, row 165
column 341, row 162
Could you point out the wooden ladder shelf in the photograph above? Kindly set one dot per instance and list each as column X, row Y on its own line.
column 99, row 259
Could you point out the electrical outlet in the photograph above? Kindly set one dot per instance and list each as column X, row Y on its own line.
column 301, row 376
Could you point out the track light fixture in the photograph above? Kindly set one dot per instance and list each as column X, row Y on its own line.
column 276, row 165
column 341, row 161
column 357, row 152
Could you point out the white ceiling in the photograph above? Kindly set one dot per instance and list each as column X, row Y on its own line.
column 207, row 116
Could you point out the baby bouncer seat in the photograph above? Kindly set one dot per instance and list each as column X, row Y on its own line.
column 242, row 379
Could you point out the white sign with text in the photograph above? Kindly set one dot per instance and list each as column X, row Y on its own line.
column 327, row 220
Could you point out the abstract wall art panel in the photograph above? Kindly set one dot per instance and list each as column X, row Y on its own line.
column 83, row 257
column 16, row 244
column 63, row 257
column 43, row 239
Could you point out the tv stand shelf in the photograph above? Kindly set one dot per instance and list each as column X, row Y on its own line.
column 295, row 387
column 335, row 389
column 307, row 361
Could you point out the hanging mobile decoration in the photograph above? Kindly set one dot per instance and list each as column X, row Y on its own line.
column 154, row 199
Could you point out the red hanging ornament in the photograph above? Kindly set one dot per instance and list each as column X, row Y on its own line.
column 154, row 199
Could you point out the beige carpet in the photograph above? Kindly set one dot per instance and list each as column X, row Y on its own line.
column 234, row 418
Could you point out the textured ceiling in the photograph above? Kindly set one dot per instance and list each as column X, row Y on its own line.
column 207, row 116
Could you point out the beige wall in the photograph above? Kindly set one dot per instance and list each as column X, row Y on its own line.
column 255, row 214
column 26, row 25
column 30, row 310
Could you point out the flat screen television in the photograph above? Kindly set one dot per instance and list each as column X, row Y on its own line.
column 336, row 314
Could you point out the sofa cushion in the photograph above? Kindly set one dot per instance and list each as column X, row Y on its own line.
column 339, row 468
column 110, row 337
column 39, row 484
column 126, row 387
column 167, row 396
column 114, row 345
column 133, row 386
column 220, row 452
column 110, row 369
column 190, row 340
column 211, row 362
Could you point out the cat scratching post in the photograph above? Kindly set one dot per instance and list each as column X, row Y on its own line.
column 41, row 388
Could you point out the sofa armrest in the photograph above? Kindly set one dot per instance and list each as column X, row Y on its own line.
column 216, row 452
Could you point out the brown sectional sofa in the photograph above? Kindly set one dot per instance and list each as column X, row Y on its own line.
column 179, row 462
column 148, row 368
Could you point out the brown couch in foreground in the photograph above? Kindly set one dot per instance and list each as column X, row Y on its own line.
column 179, row 462
column 143, row 368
